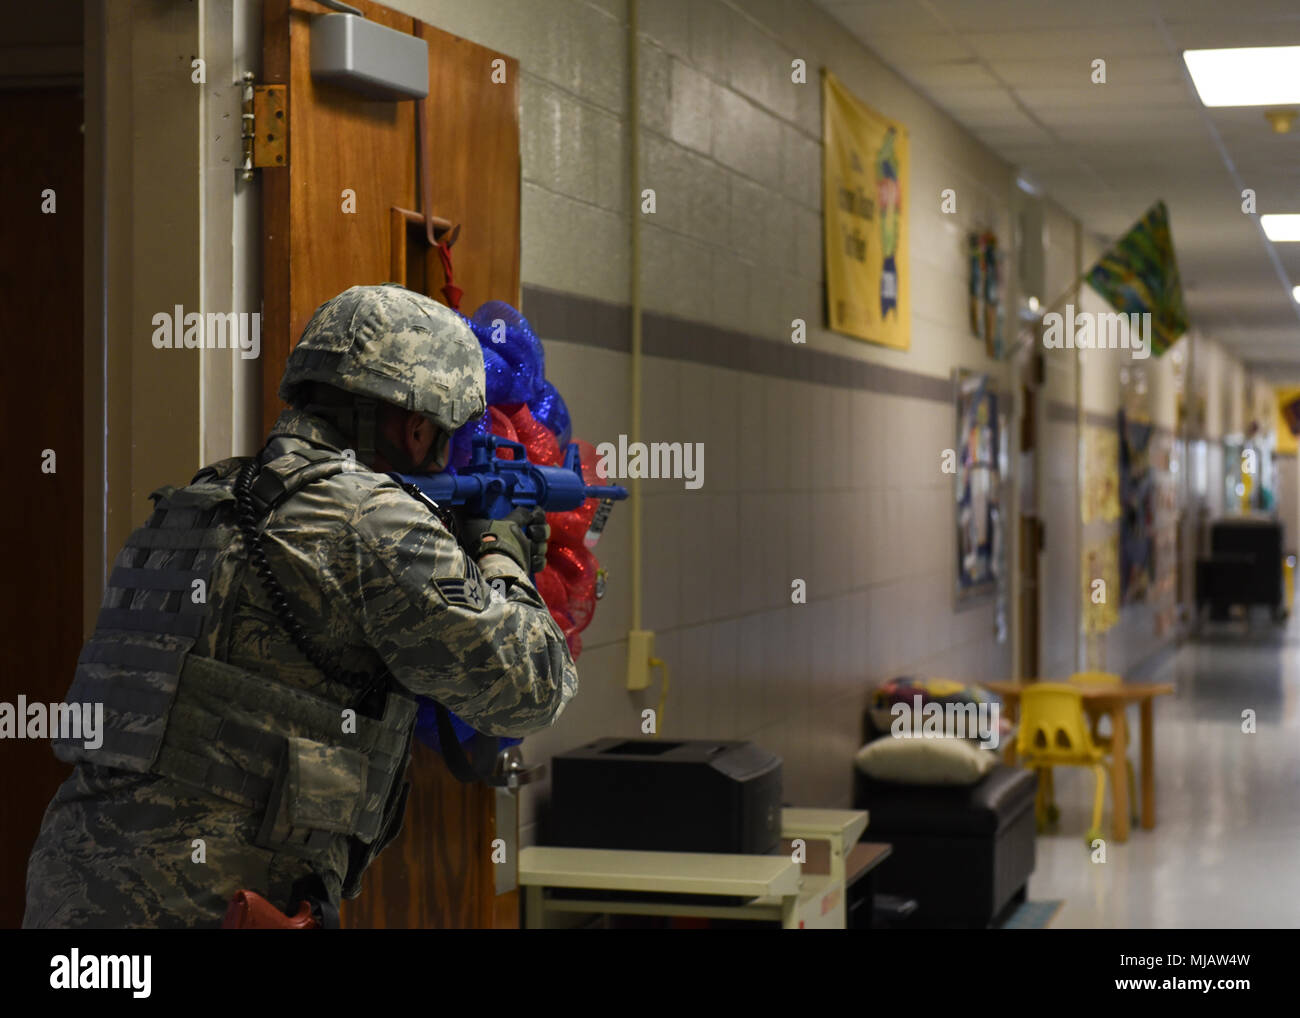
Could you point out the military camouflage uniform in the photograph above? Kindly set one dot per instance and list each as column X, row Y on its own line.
column 383, row 587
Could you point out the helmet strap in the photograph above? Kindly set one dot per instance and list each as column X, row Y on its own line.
column 365, row 432
column 402, row 462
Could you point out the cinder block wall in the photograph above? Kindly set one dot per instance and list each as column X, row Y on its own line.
column 836, row 480
column 835, row 484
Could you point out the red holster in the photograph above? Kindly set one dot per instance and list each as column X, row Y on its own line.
column 250, row 911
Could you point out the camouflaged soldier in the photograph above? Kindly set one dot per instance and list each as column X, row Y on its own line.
column 262, row 633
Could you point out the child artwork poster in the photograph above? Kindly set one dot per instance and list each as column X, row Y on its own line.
column 865, row 202
column 985, row 292
column 979, row 485
column 1137, row 521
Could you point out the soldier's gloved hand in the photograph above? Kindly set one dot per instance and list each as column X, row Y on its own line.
column 533, row 523
column 522, row 536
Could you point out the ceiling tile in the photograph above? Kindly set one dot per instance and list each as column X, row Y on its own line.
column 1017, row 74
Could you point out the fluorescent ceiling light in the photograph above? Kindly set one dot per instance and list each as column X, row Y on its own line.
column 1281, row 227
column 1257, row 76
column 1295, row 294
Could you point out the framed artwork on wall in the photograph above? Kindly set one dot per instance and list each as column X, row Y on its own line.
column 978, row 487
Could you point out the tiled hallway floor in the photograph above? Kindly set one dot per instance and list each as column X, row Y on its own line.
column 1225, row 851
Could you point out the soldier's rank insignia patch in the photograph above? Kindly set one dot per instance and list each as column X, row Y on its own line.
column 466, row 592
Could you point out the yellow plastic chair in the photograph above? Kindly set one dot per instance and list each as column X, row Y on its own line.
column 1054, row 733
column 1105, row 741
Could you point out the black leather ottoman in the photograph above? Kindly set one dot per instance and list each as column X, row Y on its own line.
column 964, row 853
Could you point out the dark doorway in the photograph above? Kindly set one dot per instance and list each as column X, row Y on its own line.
column 41, row 409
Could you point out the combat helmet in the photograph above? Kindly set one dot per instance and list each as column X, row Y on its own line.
column 390, row 344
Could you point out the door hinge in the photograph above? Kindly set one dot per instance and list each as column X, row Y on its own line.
column 265, row 127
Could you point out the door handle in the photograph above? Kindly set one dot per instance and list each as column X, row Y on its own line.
column 510, row 771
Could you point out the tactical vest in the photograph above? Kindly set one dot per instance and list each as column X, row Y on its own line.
column 172, row 708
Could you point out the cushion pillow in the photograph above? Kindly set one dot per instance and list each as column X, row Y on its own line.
column 942, row 761
column 941, row 691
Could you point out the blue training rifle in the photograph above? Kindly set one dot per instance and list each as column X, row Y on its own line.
column 491, row 488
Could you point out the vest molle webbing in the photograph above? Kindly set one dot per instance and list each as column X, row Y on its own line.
column 171, row 710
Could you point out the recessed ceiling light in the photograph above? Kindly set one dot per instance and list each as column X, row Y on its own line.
column 1295, row 294
column 1255, row 76
column 1281, row 227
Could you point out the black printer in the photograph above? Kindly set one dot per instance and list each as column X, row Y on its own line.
column 700, row 795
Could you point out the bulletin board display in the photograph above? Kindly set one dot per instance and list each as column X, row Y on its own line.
column 978, row 486
column 1137, row 509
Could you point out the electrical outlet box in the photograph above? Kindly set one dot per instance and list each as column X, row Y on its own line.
column 367, row 57
column 640, row 649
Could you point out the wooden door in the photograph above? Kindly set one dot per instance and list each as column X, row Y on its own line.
column 40, row 416
column 439, row 872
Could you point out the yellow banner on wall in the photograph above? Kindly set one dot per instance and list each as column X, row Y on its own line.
column 1288, row 420
column 1101, row 474
column 865, row 200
